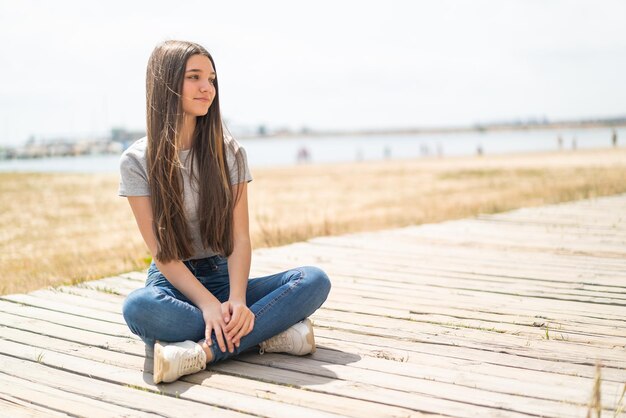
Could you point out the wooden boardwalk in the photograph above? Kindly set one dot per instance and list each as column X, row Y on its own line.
column 500, row 315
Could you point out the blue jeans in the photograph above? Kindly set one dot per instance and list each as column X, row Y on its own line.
column 160, row 311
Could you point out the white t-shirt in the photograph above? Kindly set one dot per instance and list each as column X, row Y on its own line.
column 134, row 182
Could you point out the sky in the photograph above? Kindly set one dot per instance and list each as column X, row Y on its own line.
column 77, row 68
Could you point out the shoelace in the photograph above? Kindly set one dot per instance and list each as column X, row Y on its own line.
column 190, row 364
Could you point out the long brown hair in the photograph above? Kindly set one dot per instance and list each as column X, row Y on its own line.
column 164, row 82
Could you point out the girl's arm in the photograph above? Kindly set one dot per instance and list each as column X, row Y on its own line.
column 242, row 321
column 178, row 274
column 239, row 260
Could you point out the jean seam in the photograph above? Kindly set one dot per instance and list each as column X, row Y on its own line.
column 273, row 301
column 256, row 284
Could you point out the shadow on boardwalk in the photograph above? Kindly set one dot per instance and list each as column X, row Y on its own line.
column 499, row 315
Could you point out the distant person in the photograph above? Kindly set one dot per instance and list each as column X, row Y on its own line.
column 186, row 184
column 614, row 139
column 559, row 141
column 303, row 155
column 574, row 145
column 479, row 150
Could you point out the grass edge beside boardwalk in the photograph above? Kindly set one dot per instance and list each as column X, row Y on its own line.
column 67, row 228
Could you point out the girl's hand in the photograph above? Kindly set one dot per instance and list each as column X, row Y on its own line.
column 214, row 321
column 240, row 320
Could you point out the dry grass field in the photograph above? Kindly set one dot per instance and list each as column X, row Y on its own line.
column 66, row 228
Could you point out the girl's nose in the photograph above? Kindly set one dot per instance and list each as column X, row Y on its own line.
column 205, row 86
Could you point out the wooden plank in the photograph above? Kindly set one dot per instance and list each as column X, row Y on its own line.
column 129, row 400
column 369, row 330
column 469, row 359
column 526, row 327
column 503, row 296
column 462, row 309
column 500, row 404
column 303, row 361
column 485, row 339
column 18, row 408
column 435, row 380
column 45, row 329
column 456, row 260
column 211, row 396
column 376, row 327
column 352, row 395
column 531, row 330
column 61, row 318
column 428, row 275
column 325, row 402
column 428, row 310
column 78, row 299
column 511, row 298
column 396, row 245
column 562, row 332
column 63, row 401
column 28, row 300
column 371, row 325
column 75, row 336
column 126, row 345
column 122, row 344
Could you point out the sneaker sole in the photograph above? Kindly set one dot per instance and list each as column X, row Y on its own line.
column 310, row 338
column 160, row 367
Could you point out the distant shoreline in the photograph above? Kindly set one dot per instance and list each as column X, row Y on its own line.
column 478, row 127
column 290, row 147
column 271, row 151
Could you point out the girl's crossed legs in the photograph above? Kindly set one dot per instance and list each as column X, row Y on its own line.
column 160, row 311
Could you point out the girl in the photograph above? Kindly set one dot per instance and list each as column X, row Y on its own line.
column 186, row 183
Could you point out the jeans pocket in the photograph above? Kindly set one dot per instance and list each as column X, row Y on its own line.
column 221, row 262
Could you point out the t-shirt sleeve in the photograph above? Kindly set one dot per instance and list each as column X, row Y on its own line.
column 133, row 176
column 235, row 151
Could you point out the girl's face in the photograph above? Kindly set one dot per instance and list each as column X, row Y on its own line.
column 198, row 88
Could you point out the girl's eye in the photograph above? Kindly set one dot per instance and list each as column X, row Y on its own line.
column 195, row 77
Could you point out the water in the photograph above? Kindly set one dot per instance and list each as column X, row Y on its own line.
column 272, row 152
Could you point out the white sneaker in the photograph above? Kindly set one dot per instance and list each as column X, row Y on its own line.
column 297, row 339
column 173, row 360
